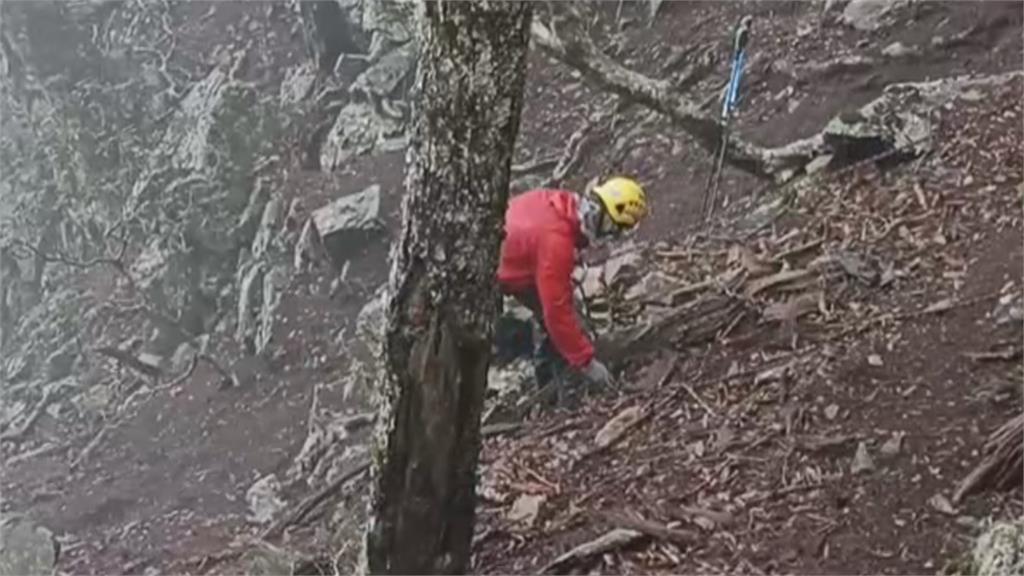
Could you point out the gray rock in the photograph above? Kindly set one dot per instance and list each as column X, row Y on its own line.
column 152, row 360
column 268, row 226
column 182, row 357
column 265, row 559
column 94, row 400
column 831, row 6
column 389, row 21
column 899, row 50
column 25, row 547
column 249, row 297
column 60, row 362
column 305, row 248
column 189, row 133
column 371, row 318
column 249, row 221
column 275, row 282
column 818, row 164
column 358, row 129
column 150, row 265
column 383, row 78
column 1009, row 309
column 346, row 223
column 867, row 15
column 19, row 366
column 297, row 84
column 652, row 287
column 893, row 445
column 862, row 461
column 264, row 500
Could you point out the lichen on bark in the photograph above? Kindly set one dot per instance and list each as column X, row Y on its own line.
column 442, row 300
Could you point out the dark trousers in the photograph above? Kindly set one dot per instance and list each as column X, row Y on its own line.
column 548, row 364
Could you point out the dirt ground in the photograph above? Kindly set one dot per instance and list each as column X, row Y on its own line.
column 166, row 489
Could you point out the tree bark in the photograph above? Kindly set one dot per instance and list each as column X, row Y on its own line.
column 443, row 303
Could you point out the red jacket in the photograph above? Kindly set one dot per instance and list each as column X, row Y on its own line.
column 542, row 231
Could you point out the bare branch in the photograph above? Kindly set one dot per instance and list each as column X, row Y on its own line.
column 580, row 52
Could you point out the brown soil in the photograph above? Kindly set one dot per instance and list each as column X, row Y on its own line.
column 167, row 487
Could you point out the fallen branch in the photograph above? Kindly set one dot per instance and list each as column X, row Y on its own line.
column 34, row 453
column 618, row 435
column 312, row 501
column 121, row 411
column 128, row 359
column 92, row 444
column 1006, row 353
column 579, row 142
column 499, row 428
column 690, row 512
column 26, row 425
column 580, row 52
column 1001, row 468
column 613, row 540
column 683, row 538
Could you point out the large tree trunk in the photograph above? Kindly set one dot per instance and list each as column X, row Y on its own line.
column 442, row 297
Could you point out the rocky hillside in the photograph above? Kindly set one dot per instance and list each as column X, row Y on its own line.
column 197, row 203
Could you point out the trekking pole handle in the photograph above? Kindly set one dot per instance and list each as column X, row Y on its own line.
column 739, row 53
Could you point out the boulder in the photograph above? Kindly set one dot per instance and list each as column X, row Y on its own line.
column 385, row 76
column 60, row 362
column 25, row 547
column 265, row 559
column 371, row 318
column 267, row 227
column 345, row 224
column 275, row 282
column 652, row 287
column 868, row 15
column 249, row 295
column 297, row 84
column 899, row 50
column 389, row 21
column 264, row 500
column 358, row 129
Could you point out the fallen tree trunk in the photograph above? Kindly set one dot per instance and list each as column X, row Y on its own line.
column 580, row 52
column 888, row 124
column 1001, row 468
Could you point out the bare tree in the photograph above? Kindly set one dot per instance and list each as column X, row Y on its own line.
column 442, row 299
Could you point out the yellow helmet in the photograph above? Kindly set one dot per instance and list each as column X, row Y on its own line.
column 624, row 201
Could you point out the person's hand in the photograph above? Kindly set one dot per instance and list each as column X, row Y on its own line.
column 597, row 373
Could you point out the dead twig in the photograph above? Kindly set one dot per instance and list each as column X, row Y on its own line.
column 1006, row 353
column 121, row 413
column 314, row 500
column 26, row 425
column 783, row 492
column 689, row 512
column 699, row 400
column 645, row 415
column 608, row 542
column 684, row 538
column 499, row 428
column 1001, row 468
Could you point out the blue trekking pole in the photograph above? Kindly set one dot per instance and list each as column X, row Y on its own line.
column 739, row 53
